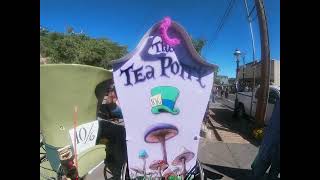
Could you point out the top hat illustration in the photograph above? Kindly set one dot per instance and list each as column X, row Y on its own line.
column 163, row 99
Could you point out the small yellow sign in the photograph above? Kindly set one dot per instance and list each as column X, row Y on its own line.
column 156, row 100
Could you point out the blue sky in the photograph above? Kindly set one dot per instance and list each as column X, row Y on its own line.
column 126, row 21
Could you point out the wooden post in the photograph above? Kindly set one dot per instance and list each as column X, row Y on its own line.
column 265, row 64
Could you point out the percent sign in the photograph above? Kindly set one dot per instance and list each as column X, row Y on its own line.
column 83, row 135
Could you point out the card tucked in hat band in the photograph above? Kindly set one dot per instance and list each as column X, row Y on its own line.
column 163, row 99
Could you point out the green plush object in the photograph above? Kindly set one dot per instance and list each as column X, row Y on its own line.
column 62, row 87
column 168, row 94
column 174, row 178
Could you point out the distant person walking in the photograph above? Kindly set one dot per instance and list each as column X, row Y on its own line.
column 246, row 88
column 213, row 94
column 222, row 92
column 226, row 94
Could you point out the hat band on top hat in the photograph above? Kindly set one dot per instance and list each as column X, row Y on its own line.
column 168, row 103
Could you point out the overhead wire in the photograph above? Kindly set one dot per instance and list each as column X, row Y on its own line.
column 222, row 21
column 250, row 18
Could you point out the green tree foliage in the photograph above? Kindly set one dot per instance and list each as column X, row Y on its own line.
column 79, row 48
column 198, row 44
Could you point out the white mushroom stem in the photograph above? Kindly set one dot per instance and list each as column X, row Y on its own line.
column 159, row 169
column 184, row 171
column 144, row 167
column 163, row 146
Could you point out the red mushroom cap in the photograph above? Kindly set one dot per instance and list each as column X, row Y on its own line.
column 186, row 155
column 158, row 163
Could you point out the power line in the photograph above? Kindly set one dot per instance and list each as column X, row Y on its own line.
column 250, row 18
column 254, row 18
column 251, row 11
column 226, row 15
column 222, row 22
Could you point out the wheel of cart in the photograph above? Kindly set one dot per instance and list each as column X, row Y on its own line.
column 62, row 87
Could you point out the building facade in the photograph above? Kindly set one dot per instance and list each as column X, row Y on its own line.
column 252, row 71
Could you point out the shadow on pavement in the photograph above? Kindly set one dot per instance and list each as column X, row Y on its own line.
column 234, row 173
column 239, row 126
column 212, row 175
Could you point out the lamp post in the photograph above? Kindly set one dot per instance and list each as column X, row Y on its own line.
column 244, row 65
column 237, row 54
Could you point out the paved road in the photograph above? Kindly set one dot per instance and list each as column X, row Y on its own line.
column 227, row 102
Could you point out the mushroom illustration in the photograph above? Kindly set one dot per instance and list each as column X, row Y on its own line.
column 137, row 170
column 159, row 165
column 167, row 173
column 176, row 170
column 184, row 157
column 151, row 174
column 159, row 133
column 143, row 155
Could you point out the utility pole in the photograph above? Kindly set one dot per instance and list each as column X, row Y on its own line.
column 253, row 54
column 265, row 64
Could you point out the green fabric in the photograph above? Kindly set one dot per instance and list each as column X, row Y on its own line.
column 168, row 93
column 63, row 86
column 90, row 159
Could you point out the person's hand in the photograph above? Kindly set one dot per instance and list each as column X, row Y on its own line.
column 108, row 100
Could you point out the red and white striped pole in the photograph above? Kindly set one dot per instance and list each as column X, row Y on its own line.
column 75, row 124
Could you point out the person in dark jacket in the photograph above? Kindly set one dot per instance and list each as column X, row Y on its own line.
column 111, row 132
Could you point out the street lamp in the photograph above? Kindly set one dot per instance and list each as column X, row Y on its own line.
column 243, row 67
column 237, row 54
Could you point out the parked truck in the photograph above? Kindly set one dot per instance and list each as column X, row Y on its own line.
column 246, row 108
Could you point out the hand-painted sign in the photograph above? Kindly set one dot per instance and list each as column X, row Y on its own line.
column 86, row 136
column 163, row 87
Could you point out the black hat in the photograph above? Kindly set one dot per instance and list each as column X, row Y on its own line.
column 104, row 87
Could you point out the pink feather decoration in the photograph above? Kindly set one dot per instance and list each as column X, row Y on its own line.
column 164, row 26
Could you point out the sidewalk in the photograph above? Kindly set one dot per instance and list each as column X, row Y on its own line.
column 224, row 152
column 226, row 160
